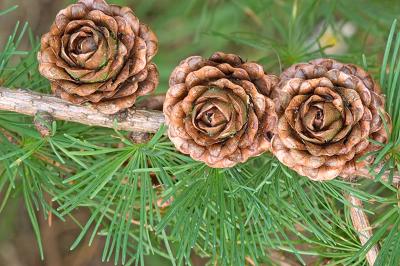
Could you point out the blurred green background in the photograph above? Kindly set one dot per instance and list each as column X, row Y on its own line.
column 277, row 33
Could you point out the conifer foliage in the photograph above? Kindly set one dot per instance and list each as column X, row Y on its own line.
column 145, row 198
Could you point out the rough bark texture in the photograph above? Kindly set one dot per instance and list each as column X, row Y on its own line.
column 30, row 103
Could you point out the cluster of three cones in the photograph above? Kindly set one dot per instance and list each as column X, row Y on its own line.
column 316, row 118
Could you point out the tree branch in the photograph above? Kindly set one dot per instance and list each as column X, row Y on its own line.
column 30, row 103
column 362, row 226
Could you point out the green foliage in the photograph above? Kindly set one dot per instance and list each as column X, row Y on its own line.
column 389, row 155
column 230, row 216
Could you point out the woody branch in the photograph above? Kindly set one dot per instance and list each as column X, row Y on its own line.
column 30, row 103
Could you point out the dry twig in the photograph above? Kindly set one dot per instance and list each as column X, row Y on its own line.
column 362, row 226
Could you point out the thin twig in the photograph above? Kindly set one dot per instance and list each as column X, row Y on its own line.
column 365, row 173
column 362, row 226
column 30, row 103
column 54, row 163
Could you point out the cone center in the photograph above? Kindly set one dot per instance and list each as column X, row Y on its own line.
column 213, row 117
column 86, row 45
column 319, row 119
column 218, row 113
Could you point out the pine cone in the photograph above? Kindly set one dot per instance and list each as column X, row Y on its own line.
column 99, row 53
column 216, row 109
column 329, row 110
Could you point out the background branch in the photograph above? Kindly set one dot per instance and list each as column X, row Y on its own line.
column 362, row 226
column 365, row 173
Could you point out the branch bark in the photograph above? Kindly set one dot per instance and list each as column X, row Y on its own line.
column 31, row 103
column 362, row 226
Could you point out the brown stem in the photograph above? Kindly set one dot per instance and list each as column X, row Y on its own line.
column 364, row 173
column 54, row 163
column 30, row 103
column 362, row 226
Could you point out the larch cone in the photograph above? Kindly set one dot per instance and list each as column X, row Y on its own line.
column 328, row 112
column 218, row 110
column 101, row 54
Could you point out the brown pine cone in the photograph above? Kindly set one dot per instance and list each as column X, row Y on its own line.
column 101, row 54
column 218, row 109
column 329, row 110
